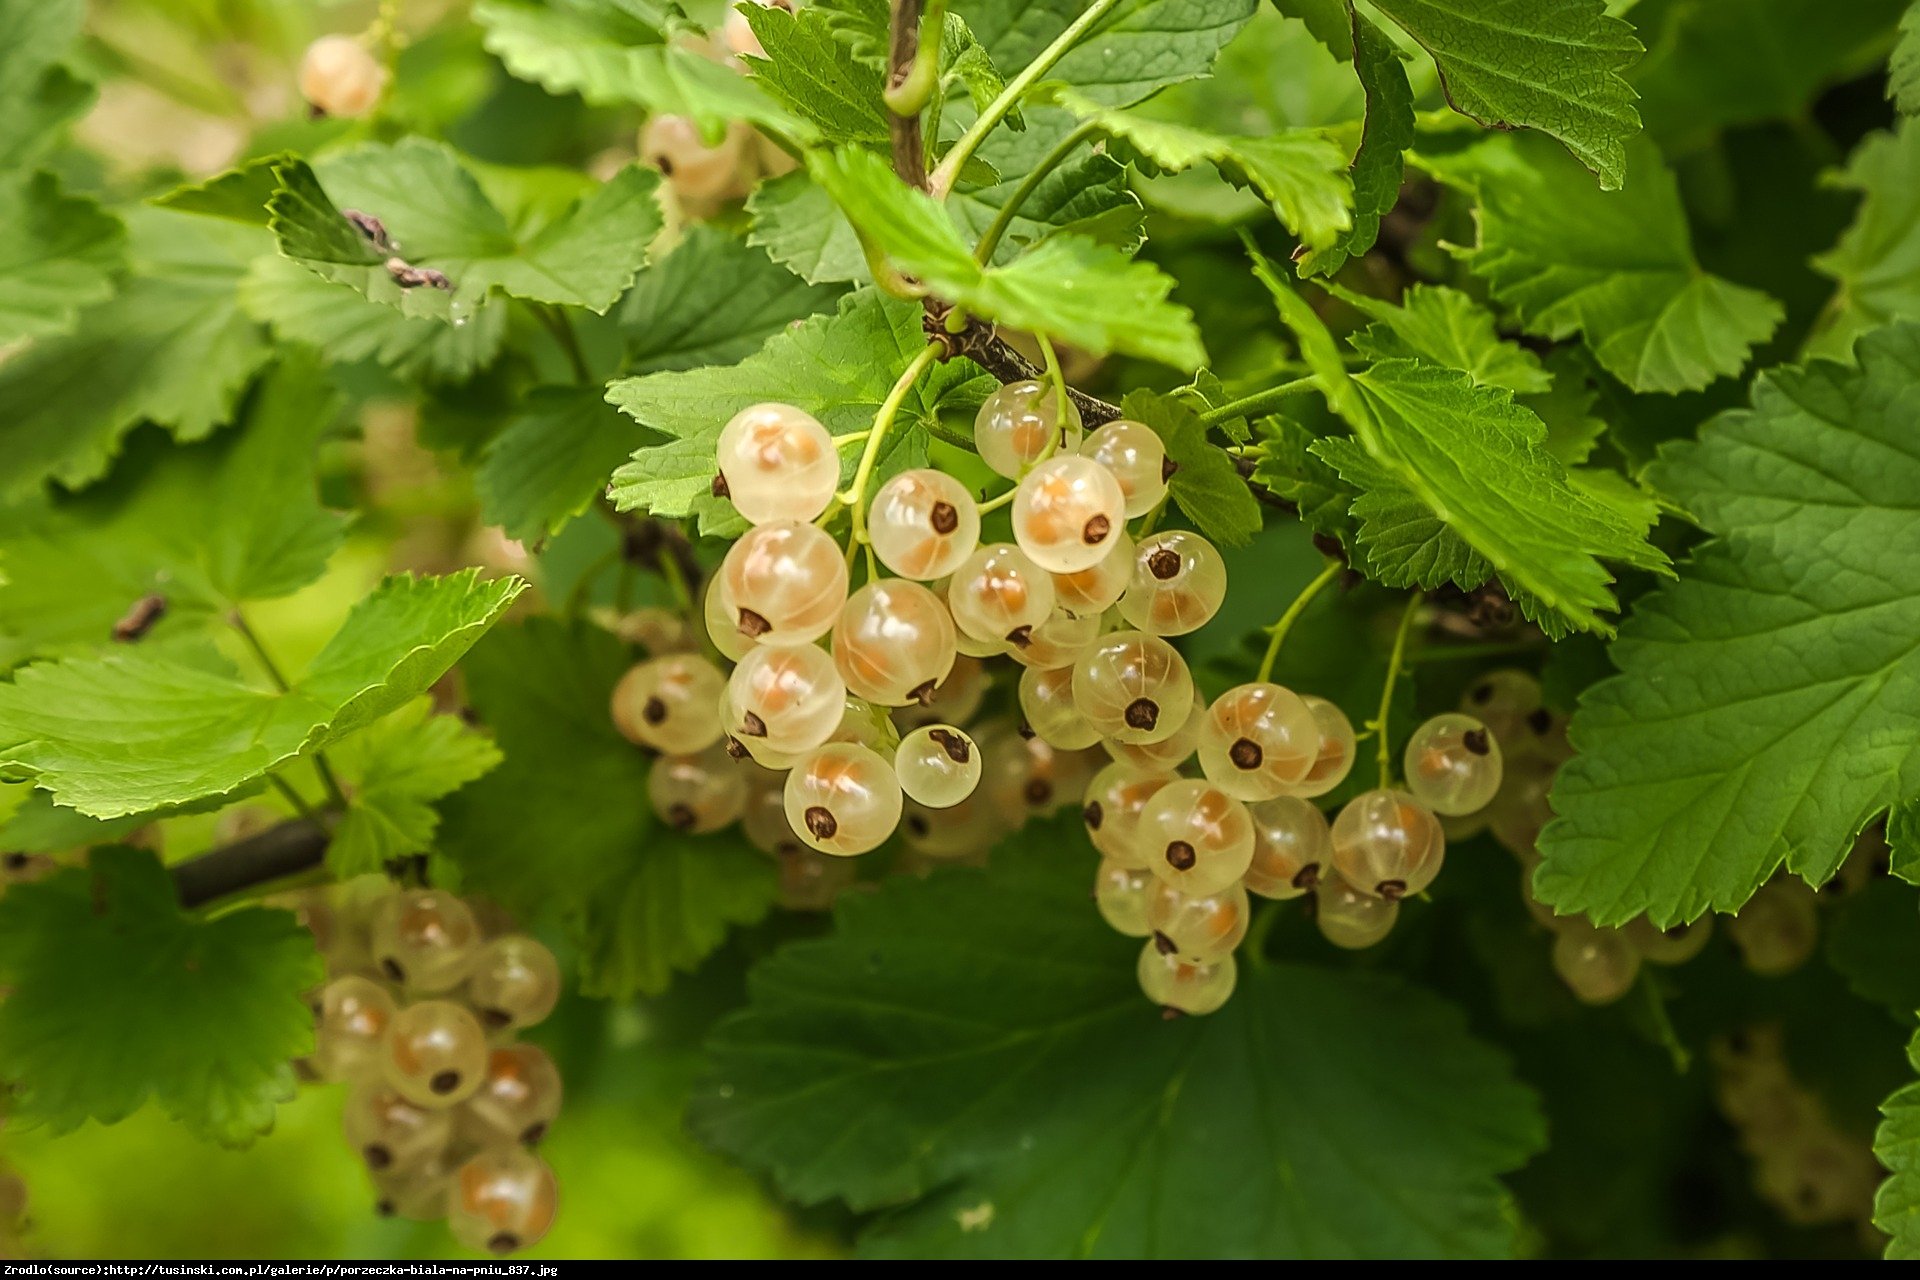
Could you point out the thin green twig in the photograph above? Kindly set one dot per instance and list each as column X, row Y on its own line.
column 328, row 781
column 983, row 252
column 1278, row 631
column 855, row 497
column 1394, row 665
column 1259, row 401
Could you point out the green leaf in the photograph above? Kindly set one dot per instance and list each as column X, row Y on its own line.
column 58, row 254
column 1067, row 287
column 1330, row 21
column 1289, row 468
column 839, row 368
column 1616, row 268
column 562, row 828
column 438, row 216
column 394, row 770
column 36, row 94
column 964, row 58
column 552, row 459
column 117, row 997
column 1087, row 195
column 170, row 347
column 1445, row 327
column 1143, row 45
column 1896, row 1145
column 1029, row 1103
column 199, row 730
column 207, row 527
column 1903, row 839
column 1903, row 74
column 799, row 226
column 1380, row 162
column 1762, row 709
column 1871, row 942
column 1874, row 262
column 816, row 76
column 239, row 194
column 1206, row 486
column 1551, row 65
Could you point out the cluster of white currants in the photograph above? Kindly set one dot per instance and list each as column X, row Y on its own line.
column 701, row 171
column 418, row 1019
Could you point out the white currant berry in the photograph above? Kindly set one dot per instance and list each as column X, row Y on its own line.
column 424, row 939
column 502, row 1200
column 1047, row 705
column 1779, row 927
column 697, row 793
column 1059, row 641
column 354, row 1013
column 1121, row 892
column 1000, row 595
column 764, row 820
column 736, row 33
column 1199, row 927
column 1335, row 758
column 1199, row 838
column 1598, row 965
column 1186, row 986
column 956, row 700
column 419, row 1195
column 516, row 1102
column 785, row 582
column 1111, row 809
column 1453, row 764
column 894, row 642
column 670, row 704
column 658, row 631
column 434, row 1054
column 1133, row 687
column 515, row 983
column 812, row 881
column 1133, row 452
column 923, row 524
column 1292, row 847
column 777, row 463
column 787, row 699
column 696, row 168
column 1067, row 513
column 1388, row 844
column 1092, row 591
column 391, row 1134
column 843, row 799
column 1171, row 752
column 1676, row 944
column 1258, row 740
column 723, row 628
column 1522, row 807
column 1019, row 423
column 341, row 77
column 1503, row 700
column 1178, row 583
column 1349, row 918
column 1025, row 776
column 956, row 831
column 938, row 765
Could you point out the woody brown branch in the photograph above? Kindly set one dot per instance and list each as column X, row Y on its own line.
column 909, row 150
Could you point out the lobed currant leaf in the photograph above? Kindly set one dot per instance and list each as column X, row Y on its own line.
column 1380, row 161
column 58, row 255
column 1206, row 484
column 1896, row 1145
column 394, row 770
column 1903, row 76
column 1872, row 263
column 37, row 94
column 1141, row 46
column 816, row 76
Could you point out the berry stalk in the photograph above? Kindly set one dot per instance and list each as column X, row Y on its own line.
column 1278, row 631
column 855, row 497
column 1394, row 664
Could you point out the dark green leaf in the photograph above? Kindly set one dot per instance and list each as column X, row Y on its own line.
column 395, row 769
column 816, row 76
column 58, row 254
column 1207, row 486
column 1141, row 46
column 1381, row 159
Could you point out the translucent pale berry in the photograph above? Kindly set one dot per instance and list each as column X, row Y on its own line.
column 1059, row 641
column 1674, row 945
column 1114, row 801
column 1047, row 705
column 502, row 1200
column 1292, row 847
column 671, row 704
column 786, row 699
column 675, row 146
column 1521, row 808
column 777, row 463
column 1201, row 927
column 1453, row 764
column 1258, row 740
column 517, row 1100
column 894, row 642
column 1133, row 687
column 722, row 627
column 435, row 1053
column 425, row 939
column 737, row 33
column 765, row 818
column 1121, row 893
column 354, row 1014
column 1335, row 758
column 1186, row 986
column 1067, row 513
column 341, row 77
column 1091, row 592
column 658, row 631
column 1778, row 928
column 697, row 793
column 955, row 701
column 1000, row 594
column 390, row 1133
column 515, row 983
column 1178, row 581
column 843, row 799
column 419, row 1195
column 784, row 582
column 1349, row 918
column 1028, row 777
column 1502, row 700
column 1171, row 752
column 1388, row 844
column 1598, row 965
column 938, row 765
column 811, row 881
column 1199, row 838
column 1017, row 424
column 957, row 831
column 924, row 524
column 1133, row 453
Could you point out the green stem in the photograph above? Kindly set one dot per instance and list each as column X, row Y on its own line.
column 1255, row 946
column 577, row 599
column 292, row 797
column 320, row 766
column 676, row 582
column 1386, row 690
column 1248, row 406
column 910, row 95
column 983, row 252
column 943, row 178
column 855, row 498
column 1278, row 631
column 561, row 328
column 1151, row 521
column 994, row 504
